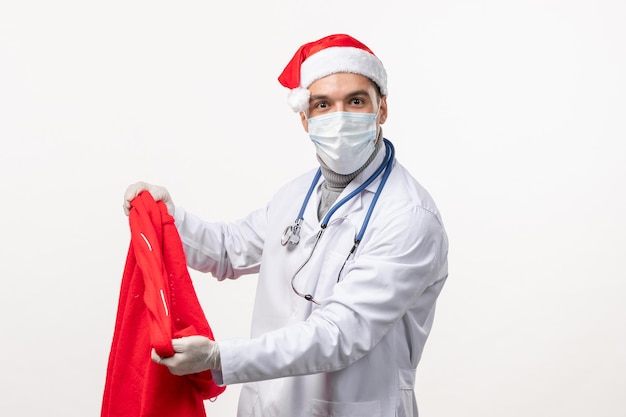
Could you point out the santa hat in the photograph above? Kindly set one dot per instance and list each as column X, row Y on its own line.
column 329, row 55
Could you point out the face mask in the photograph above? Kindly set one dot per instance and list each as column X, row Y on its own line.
column 343, row 140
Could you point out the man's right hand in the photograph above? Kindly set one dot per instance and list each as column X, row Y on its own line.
column 158, row 193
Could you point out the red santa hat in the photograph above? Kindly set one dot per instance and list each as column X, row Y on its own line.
column 329, row 55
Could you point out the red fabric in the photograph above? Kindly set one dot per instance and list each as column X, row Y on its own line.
column 157, row 303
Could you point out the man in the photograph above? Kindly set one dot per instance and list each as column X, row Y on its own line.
column 346, row 294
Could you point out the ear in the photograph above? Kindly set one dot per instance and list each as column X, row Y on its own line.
column 304, row 121
column 382, row 114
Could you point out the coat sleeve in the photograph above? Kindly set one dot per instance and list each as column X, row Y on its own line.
column 405, row 255
column 225, row 250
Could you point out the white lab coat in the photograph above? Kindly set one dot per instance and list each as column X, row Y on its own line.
column 356, row 353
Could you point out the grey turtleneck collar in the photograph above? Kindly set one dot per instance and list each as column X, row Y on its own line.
column 334, row 183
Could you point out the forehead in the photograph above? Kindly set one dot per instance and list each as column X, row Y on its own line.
column 342, row 83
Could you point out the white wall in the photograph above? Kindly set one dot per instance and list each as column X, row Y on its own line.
column 511, row 113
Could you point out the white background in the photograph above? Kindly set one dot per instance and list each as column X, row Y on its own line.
column 511, row 113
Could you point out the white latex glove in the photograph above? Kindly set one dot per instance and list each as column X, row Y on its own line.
column 193, row 354
column 158, row 193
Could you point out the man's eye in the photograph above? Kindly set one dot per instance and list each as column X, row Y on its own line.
column 357, row 101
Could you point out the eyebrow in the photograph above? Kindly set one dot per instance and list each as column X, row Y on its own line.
column 349, row 95
column 359, row 93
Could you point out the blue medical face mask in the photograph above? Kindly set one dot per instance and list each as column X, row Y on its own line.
column 344, row 140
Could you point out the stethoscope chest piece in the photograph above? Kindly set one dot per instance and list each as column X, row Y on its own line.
column 291, row 235
column 286, row 235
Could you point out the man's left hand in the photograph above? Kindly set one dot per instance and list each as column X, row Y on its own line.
column 193, row 354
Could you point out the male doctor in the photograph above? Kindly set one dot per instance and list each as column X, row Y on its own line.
column 346, row 293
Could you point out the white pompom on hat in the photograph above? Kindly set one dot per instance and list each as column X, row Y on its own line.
column 329, row 55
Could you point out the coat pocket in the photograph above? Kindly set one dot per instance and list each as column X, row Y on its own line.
column 343, row 409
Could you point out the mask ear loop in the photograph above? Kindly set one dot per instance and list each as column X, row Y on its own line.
column 378, row 128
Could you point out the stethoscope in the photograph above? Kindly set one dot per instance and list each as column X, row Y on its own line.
column 291, row 235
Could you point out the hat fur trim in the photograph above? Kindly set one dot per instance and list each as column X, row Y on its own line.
column 343, row 59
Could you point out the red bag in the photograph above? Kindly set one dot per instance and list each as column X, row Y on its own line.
column 157, row 303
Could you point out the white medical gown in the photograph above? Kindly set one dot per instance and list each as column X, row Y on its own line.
column 356, row 353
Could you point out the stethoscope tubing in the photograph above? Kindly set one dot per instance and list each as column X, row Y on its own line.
column 384, row 168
